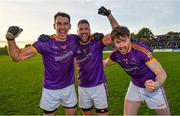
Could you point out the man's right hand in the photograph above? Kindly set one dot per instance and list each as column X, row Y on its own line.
column 103, row 11
column 13, row 32
column 43, row 37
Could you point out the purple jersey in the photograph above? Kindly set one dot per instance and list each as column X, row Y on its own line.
column 89, row 59
column 58, row 60
column 134, row 63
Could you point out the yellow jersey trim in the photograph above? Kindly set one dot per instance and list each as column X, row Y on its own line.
column 150, row 61
column 34, row 49
column 137, row 47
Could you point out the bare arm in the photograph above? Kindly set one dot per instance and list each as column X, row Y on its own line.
column 161, row 76
column 20, row 54
column 15, row 53
column 112, row 21
column 103, row 11
column 108, row 62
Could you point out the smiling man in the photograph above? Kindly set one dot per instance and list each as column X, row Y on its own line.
column 146, row 73
column 91, row 77
column 57, row 53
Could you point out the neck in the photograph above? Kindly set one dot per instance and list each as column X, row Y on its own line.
column 84, row 43
column 58, row 38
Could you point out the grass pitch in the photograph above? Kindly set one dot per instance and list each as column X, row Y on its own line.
column 21, row 86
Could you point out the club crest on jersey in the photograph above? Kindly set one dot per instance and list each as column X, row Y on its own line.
column 85, row 51
column 63, row 47
column 78, row 51
column 125, row 61
column 133, row 61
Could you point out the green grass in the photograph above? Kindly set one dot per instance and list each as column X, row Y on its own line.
column 21, row 85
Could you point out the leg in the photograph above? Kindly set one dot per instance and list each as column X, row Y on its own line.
column 85, row 101
column 131, row 107
column 100, row 100
column 157, row 100
column 102, row 112
column 70, row 111
column 49, row 101
column 164, row 111
column 87, row 112
column 132, row 100
column 69, row 100
column 49, row 113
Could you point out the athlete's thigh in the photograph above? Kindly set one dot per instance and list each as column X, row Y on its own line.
column 131, row 107
column 164, row 111
column 134, row 93
column 132, row 100
column 85, row 101
column 50, row 100
column 69, row 97
column 156, row 99
column 100, row 97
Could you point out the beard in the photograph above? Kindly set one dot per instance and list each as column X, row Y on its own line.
column 85, row 41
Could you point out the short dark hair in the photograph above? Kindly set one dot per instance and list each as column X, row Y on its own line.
column 120, row 31
column 83, row 21
column 63, row 15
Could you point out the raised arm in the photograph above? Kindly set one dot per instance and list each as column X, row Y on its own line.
column 103, row 11
column 161, row 76
column 15, row 52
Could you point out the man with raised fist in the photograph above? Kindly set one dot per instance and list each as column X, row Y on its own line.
column 89, row 56
column 146, row 73
column 58, row 60
column 91, row 77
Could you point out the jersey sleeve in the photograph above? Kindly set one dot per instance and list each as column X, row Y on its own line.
column 101, row 45
column 113, row 56
column 39, row 47
column 146, row 56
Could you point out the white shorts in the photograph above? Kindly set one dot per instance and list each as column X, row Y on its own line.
column 154, row 100
column 52, row 99
column 93, row 96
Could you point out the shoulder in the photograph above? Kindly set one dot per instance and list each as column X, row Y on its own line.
column 114, row 53
column 140, row 47
column 142, row 50
column 97, row 43
column 73, row 36
column 114, row 56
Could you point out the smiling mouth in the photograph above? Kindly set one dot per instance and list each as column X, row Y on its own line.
column 84, row 35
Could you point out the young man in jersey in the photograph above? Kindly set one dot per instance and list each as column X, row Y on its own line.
column 57, row 53
column 146, row 73
column 91, row 77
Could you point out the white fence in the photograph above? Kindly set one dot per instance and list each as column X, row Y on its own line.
column 156, row 50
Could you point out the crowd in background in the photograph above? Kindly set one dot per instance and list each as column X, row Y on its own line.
column 158, row 42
